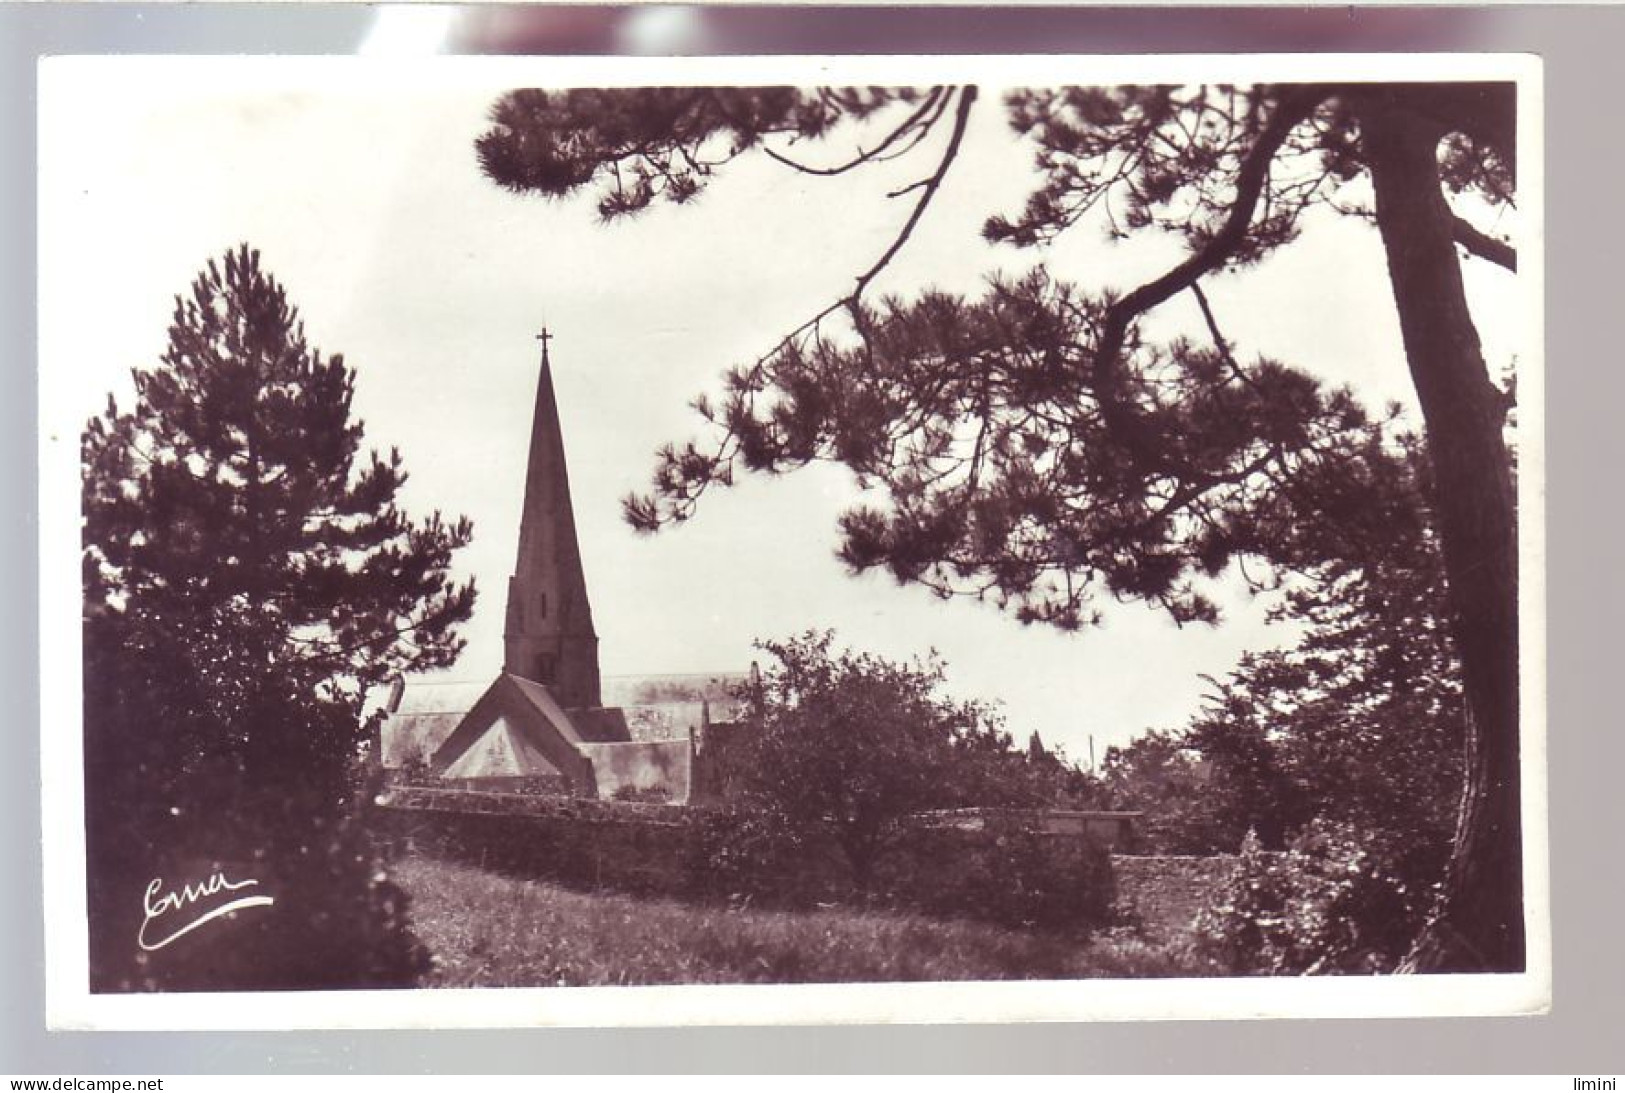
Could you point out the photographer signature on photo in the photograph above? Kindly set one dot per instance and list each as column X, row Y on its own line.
column 158, row 903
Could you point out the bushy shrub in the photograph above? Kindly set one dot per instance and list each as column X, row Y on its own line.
column 344, row 922
column 1125, row 951
column 753, row 855
column 337, row 920
column 1052, row 881
column 1336, row 901
column 847, row 746
column 1005, row 874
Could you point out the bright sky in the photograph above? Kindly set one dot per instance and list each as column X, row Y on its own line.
column 367, row 204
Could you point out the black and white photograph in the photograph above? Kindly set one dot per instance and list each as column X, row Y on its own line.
column 791, row 540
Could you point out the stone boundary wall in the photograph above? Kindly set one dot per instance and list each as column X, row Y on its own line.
column 647, row 847
column 1165, row 891
column 626, row 846
column 1113, row 830
column 444, row 798
column 1011, row 877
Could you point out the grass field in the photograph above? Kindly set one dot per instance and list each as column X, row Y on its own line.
column 489, row 930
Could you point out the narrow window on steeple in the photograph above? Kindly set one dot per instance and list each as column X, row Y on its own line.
column 541, row 601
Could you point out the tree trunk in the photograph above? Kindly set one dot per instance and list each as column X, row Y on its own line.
column 1479, row 925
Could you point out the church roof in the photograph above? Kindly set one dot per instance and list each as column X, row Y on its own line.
column 653, row 689
column 542, row 700
column 430, row 711
column 604, row 725
column 427, row 713
column 515, row 724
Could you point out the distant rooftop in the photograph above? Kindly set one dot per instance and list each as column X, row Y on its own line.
column 651, row 690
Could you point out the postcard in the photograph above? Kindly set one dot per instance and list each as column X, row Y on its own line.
column 543, row 541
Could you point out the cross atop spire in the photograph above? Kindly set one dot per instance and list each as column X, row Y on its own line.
column 544, row 337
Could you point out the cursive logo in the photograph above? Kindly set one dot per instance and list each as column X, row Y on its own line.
column 159, row 903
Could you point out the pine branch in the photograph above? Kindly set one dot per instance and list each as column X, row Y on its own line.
column 916, row 123
column 1484, row 246
column 1295, row 107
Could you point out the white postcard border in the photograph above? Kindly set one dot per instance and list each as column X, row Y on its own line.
column 71, row 1006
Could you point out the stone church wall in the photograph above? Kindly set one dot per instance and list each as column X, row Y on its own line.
column 645, row 769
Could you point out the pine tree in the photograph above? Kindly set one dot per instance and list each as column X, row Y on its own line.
column 248, row 578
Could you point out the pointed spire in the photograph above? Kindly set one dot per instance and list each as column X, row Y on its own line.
column 549, row 635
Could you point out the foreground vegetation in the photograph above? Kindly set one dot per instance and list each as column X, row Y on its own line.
column 1034, row 446
column 490, row 930
column 249, row 577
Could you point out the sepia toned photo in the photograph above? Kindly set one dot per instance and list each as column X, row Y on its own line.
column 1016, row 538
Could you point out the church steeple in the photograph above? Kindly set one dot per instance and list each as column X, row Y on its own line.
column 549, row 636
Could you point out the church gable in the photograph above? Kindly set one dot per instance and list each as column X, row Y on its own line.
column 510, row 720
column 501, row 751
column 601, row 726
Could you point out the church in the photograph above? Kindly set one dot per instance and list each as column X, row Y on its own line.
column 541, row 724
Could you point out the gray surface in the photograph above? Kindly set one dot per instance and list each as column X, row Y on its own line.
column 1585, row 392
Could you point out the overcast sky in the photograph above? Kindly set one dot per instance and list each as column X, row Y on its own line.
column 366, row 203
